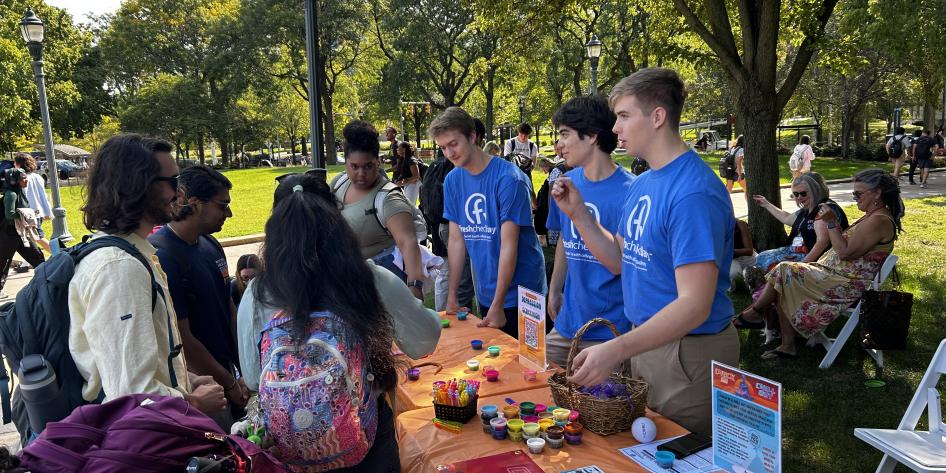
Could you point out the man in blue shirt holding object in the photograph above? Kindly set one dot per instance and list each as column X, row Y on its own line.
column 581, row 287
column 487, row 203
column 673, row 250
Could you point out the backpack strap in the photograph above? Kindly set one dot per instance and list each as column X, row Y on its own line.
column 377, row 204
column 126, row 246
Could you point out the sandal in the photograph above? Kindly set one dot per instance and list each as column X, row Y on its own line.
column 778, row 354
column 741, row 323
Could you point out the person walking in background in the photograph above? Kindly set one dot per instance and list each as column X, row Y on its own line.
column 36, row 196
column 801, row 158
column 923, row 150
column 406, row 173
column 738, row 153
column 12, row 239
column 916, row 135
column 896, row 148
column 522, row 144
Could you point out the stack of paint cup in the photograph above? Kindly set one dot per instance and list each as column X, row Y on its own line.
column 540, row 408
column 511, row 412
column 514, row 426
column 555, row 436
column 530, row 430
column 573, row 433
column 488, row 413
column 544, row 425
column 498, row 428
column 527, row 408
column 561, row 416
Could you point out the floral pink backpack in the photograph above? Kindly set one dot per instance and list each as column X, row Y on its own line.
column 316, row 394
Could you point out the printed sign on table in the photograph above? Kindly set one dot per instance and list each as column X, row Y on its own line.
column 532, row 329
column 747, row 421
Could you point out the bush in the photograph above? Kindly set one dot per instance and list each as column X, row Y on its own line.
column 828, row 151
column 876, row 153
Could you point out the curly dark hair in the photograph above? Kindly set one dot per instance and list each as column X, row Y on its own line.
column 121, row 175
column 203, row 183
column 361, row 136
column 311, row 260
column 25, row 161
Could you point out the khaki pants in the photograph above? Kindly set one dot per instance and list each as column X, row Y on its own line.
column 557, row 347
column 679, row 375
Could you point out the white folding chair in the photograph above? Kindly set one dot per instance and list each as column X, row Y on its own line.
column 920, row 451
column 834, row 345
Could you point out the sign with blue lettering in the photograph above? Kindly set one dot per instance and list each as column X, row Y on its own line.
column 532, row 329
column 747, row 421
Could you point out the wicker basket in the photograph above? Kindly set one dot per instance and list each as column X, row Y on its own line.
column 456, row 413
column 601, row 416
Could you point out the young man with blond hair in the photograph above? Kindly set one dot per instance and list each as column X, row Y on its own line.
column 673, row 250
column 486, row 201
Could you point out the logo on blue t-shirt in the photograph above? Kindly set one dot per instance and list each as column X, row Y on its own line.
column 475, row 210
column 634, row 229
column 594, row 211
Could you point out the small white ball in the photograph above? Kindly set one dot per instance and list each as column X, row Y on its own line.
column 644, row 430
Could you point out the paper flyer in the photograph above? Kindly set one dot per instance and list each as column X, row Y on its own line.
column 644, row 455
column 532, row 329
column 747, row 421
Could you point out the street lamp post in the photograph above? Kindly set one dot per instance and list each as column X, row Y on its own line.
column 593, row 47
column 33, row 33
column 315, row 97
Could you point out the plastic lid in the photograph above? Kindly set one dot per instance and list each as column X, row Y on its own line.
column 875, row 383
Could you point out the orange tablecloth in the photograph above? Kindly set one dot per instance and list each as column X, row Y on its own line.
column 453, row 351
column 423, row 446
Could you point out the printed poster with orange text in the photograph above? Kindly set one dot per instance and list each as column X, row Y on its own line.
column 532, row 329
column 747, row 421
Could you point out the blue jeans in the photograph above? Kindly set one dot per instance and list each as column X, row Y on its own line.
column 769, row 258
column 385, row 259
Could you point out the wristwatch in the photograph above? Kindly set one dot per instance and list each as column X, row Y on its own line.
column 832, row 225
column 416, row 283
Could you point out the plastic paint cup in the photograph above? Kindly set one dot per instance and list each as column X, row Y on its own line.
column 573, row 439
column 511, row 412
column 498, row 424
column 527, row 408
column 544, row 424
column 573, row 417
column 445, row 323
column 492, row 375
column 540, row 408
column 493, row 351
column 555, row 432
column 529, row 375
column 556, row 443
column 530, row 428
column 413, row 374
column 574, row 428
column 473, row 365
column 664, row 458
column 489, row 409
column 536, row 445
column 515, row 436
column 531, row 418
column 461, row 315
column 545, row 415
column 514, row 425
column 476, row 344
column 561, row 415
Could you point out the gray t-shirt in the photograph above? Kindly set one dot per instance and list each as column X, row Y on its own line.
column 371, row 237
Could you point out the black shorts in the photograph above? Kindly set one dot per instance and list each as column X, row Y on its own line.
column 924, row 163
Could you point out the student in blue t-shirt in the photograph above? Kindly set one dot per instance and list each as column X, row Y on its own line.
column 487, row 203
column 673, row 249
column 581, row 287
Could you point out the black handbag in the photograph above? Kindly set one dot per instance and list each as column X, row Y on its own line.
column 885, row 319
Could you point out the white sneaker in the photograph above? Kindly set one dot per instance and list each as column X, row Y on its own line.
column 923, row 186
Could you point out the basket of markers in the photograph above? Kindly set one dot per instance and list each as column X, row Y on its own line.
column 455, row 400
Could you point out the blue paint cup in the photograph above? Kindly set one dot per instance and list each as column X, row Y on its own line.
column 461, row 315
column 476, row 344
column 664, row 458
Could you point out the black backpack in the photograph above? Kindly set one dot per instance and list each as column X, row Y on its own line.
column 431, row 192
column 422, row 168
column 727, row 164
column 38, row 322
column 638, row 166
column 924, row 148
column 896, row 147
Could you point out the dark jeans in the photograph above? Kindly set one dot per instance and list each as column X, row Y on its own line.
column 912, row 169
column 11, row 243
column 383, row 457
column 387, row 262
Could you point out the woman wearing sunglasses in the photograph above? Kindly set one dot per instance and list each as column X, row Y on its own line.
column 809, row 296
column 808, row 238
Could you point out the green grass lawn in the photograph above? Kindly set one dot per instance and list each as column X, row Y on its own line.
column 252, row 192
column 822, row 408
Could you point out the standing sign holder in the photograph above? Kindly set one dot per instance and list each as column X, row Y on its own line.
column 747, row 421
column 532, row 329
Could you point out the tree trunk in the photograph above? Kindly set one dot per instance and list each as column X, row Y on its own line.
column 759, row 120
column 224, row 150
column 929, row 112
column 846, row 136
column 857, row 126
column 488, row 92
column 305, row 151
column 200, row 148
column 329, row 137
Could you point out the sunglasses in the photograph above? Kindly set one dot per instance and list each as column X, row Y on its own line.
column 857, row 194
column 800, row 194
column 173, row 180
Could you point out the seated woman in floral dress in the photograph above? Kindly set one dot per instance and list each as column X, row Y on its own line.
column 809, row 296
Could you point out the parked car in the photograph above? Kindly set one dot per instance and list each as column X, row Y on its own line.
column 67, row 169
column 710, row 141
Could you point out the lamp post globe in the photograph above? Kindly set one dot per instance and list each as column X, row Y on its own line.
column 33, row 32
column 593, row 48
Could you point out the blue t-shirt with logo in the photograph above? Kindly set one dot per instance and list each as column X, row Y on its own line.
column 591, row 290
column 479, row 205
column 676, row 215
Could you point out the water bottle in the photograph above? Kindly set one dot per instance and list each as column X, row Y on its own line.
column 41, row 394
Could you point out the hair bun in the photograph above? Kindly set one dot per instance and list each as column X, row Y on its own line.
column 361, row 136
